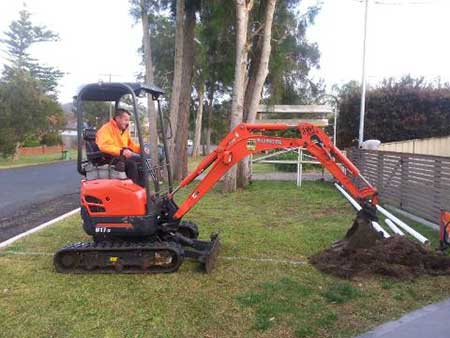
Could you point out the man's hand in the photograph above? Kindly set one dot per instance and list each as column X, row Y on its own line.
column 127, row 153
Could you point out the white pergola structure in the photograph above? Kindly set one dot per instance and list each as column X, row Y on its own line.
column 318, row 115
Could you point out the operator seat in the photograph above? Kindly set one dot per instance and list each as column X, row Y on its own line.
column 99, row 165
column 93, row 153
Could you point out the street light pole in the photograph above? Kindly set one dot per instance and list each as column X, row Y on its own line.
column 363, row 79
column 110, row 75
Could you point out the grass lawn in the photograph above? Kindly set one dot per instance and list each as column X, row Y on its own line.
column 241, row 298
column 34, row 159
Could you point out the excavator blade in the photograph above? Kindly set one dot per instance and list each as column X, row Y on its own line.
column 205, row 252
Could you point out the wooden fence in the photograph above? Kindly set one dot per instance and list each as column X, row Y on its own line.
column 419, row 184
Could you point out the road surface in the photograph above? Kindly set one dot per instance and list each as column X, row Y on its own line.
column 33, row 195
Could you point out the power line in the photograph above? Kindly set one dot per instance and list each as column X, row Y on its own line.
column 403, row 3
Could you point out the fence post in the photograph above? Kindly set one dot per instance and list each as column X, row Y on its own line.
column 404, row 180
column 437, row 179
column 299, row 166
column 380, row 173
column 251, row 167
column 362, row 162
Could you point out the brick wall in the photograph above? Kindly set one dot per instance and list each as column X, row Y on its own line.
column 41, row 150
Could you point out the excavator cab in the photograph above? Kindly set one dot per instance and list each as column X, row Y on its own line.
column 98, row 165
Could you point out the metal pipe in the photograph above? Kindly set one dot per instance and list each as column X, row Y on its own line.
column 363, row 79
column 79, row 114
column 141, row 145
column 403, row 225
column 356, row 205
column 166, row 148
column 365, row 180
column 393, row 227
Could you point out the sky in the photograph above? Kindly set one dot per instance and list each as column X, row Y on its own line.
column 99, row 37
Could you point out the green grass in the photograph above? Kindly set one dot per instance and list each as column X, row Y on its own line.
column 241, row 298
column 33, row 159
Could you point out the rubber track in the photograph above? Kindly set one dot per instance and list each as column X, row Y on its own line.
column 117, row 257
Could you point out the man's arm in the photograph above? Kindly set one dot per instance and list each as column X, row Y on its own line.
column 133, row 146
column 106, row 143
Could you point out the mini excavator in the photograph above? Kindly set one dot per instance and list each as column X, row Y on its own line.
column 136, row 230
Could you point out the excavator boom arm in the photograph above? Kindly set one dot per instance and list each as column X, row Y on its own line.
column 247, row 139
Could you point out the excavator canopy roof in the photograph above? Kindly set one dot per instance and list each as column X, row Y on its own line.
column 113, row 91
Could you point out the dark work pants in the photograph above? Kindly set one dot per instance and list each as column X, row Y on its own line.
column 131, row 169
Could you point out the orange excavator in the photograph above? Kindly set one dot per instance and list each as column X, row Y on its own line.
column 137, row 230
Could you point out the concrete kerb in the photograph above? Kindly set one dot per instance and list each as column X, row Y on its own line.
column 39, row 227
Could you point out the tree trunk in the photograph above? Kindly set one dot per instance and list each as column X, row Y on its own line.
column 16, row 152
column 257, row 84
column 210, row 112
column 263, row 68
column 198, row 122
column 177, row 77
column 242, row 13
column 181, row 137
column 149, row 78
column 254, row 58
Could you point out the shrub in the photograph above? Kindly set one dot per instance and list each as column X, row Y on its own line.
column 51, row 139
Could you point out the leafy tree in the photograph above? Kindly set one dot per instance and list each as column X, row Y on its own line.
column 293, row 56
column 96, row 113
column 28, row 110
column 25, row 111
column 22, row 34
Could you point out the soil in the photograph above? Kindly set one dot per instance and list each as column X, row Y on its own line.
column 363, row 251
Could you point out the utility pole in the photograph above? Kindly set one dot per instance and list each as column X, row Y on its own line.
column 363, row 79
column 110, row 75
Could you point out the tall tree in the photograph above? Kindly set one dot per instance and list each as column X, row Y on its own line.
column 20, row 37
column 198, row 121
column 181, row 137
column 177, row 75
column 243, row 8
column 263, row 65
column 253, row 93
column 217, row 38
column 144, row 7
column 293, row 56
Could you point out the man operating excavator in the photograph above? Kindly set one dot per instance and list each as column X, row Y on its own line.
column 114, row 139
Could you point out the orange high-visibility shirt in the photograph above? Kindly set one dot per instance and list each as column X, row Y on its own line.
column 111, row 140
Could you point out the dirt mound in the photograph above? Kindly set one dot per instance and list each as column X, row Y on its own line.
column 364, row 251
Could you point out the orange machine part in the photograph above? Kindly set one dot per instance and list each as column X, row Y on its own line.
column 445, row 220
column 106, row 197
column 247, row 139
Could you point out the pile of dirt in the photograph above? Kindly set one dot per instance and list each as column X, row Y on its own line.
column 363, row 251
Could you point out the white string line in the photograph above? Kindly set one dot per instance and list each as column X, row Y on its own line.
column 265, row 260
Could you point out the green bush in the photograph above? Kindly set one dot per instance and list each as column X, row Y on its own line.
column 291, row 156
column 396, row 110
column 31, row 141
column 51, row 139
